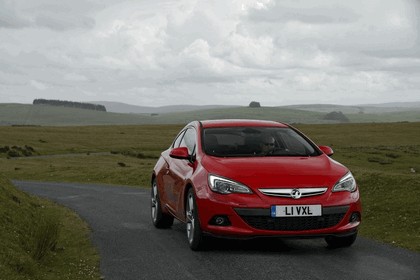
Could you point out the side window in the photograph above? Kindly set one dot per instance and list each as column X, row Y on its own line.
column 189, row 140
column 178, row 139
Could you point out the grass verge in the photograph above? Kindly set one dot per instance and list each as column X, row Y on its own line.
column 41, row 240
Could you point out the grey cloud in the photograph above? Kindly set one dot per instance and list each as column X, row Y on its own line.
column 409, row 48
column 322, row 13
column 206, row 79
column 9, row 18
column 62, row 22
column 47, row 14
column 28, row 60
column 11, row 21
column 7, row 67
column 408, row 52
column 141, row 51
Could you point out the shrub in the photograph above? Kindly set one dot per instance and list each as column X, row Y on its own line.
column 4, row 149
column 17, row 151
column 13, row 153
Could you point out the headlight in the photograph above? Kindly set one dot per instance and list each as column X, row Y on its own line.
column 347, row 183
column 226, row 186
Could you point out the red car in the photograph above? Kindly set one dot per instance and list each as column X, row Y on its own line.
column 250, row 178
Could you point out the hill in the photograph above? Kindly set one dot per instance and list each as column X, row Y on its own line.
column 45, row 115
column 119, row 107
column 360, row 109
column 25, row 114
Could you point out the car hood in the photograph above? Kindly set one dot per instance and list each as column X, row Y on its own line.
column 266, row 172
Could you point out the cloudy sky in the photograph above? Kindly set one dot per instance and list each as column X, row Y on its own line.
column 166, row 52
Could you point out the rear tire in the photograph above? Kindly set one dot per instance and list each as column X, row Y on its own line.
column 195, row 237
column 338, row 242
column 159, row 219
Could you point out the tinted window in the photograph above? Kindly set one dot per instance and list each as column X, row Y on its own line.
column 256, row 141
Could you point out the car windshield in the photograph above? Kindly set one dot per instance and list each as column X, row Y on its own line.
column 255, row 141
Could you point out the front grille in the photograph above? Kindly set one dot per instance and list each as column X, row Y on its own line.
column 331, row 217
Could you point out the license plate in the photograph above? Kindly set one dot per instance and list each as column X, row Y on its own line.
column 296, row 210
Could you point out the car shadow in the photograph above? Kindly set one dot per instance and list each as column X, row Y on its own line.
column 260, row 244
column 255, row 244
column 268, row 245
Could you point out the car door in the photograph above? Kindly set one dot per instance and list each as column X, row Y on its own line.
column 168, row 177
column 180, row 170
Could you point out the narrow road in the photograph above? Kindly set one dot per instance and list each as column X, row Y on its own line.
column 131, row 248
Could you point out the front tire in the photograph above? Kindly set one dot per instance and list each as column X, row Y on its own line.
column 195, row 236
column 338, row 242
column 159, row 219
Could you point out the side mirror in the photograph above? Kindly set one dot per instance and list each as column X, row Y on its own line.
column 180, row 153
column 326, row 150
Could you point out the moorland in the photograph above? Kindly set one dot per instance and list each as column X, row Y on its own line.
column 39, row 237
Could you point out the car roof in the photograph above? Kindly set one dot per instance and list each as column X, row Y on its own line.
column 241, row 123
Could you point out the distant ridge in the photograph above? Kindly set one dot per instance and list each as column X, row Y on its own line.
column 124, row 108
column 119, row 107
column 415, row 104
column 27, row 114
column 356, row 109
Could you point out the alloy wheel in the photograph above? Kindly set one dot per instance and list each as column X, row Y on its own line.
column 190, row 217
column 154, row 202
column 159, row 218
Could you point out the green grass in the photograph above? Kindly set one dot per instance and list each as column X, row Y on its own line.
column 385, row 159
column 41, row 240
column 86, row 154
column 382, row 157
column 412, row 115
column 104, row 169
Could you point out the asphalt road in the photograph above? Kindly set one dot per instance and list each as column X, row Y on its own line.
column 131, row 248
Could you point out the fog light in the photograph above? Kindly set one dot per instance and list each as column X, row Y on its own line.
column 220, row 220
column 355, row 217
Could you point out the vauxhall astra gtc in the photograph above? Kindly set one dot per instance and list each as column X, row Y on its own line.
column 251, row 178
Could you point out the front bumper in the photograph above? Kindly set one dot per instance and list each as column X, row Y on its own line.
column 261, row 219
column 245, row 222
